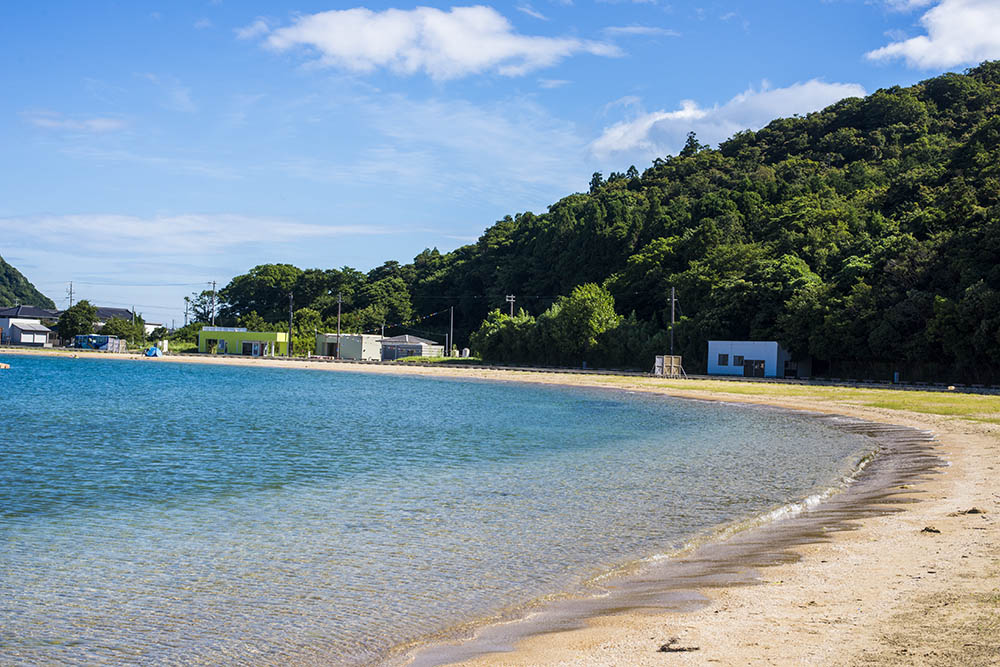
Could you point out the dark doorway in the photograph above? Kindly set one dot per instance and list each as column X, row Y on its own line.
column 753, row 368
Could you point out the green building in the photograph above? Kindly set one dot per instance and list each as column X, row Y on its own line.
column 234, row 340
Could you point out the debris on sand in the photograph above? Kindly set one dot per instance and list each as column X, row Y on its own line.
column 671, row 647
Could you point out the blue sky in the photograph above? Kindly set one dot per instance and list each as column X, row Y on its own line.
column 152, row 147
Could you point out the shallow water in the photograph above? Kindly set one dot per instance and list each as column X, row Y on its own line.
column 154, row 512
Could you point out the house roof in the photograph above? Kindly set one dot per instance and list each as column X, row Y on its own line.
column 24, row 326
column 29, row 312
column 408, row 339
column 104, row 314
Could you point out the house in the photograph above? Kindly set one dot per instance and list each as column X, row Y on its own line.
column 409, row 346
column 355, row 347
column 22, row 325
column 752, row 358
column 104, row 314
column 237, row 340
column 150, row 327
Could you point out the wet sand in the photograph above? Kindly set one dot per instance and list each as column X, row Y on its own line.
column 884, row 592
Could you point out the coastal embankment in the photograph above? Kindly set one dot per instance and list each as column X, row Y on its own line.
column 916, row 586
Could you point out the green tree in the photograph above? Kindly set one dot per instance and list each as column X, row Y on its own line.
column 76, row 320
column 134, row 332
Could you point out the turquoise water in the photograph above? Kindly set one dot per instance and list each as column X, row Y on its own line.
column 159, row 512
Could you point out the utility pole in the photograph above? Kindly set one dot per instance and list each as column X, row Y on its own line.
column 339, row 301
column 187, row 306
column 451, row 332
column 289, row 354
column 213, row 303
column 383, row 330
column 673, row 302
column 510, row 300
column 71, row 294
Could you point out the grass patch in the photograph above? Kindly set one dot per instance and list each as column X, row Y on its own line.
column 456, row 361
column 975, row 407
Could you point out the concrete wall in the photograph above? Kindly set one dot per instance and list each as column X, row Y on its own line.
column 766, row 351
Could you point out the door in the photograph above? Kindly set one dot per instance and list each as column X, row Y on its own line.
column 753, row 368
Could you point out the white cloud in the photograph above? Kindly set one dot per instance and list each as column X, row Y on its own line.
column 443, row 44
column 201, row 24
column 958, row 32
column 664, row 132
column 52, row 120
column 553, row 83
column 532, row 12
column 907, row 5
column 643, row 30
column 255, row 29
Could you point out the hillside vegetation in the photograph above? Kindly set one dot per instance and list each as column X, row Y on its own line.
column 866, row 235
column 16, row 290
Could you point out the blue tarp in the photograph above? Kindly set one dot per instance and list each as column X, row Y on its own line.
column 154, row 352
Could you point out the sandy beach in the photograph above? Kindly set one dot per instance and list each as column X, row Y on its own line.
column 920, row 586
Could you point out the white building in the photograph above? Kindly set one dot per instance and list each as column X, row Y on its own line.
column 753, row 358
column 22, row 325
column 353, row 347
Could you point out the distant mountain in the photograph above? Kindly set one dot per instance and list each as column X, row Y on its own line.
column 15, row 289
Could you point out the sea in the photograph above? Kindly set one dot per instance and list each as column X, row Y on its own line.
column 165, row 513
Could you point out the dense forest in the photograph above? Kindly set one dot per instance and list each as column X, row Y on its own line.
column 16, row 290
column 865, row 235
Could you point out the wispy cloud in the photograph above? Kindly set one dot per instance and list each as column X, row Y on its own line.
column 170, row 235
column 958, row 32
column 907, row 5
column 176, row 96
column 443, row 44
column 255, row 29
column 201, row 24
column 647, row 135
column 642, row 30
column 553, row 83
column 174, row 164
column 52, row 120
column 532, row 12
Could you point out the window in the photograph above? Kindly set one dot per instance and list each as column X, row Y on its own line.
column 737, row 360
column 723, row 359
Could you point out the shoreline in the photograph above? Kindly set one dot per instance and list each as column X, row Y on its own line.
column 883, row 592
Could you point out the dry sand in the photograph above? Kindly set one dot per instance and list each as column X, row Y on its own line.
column 887, row 593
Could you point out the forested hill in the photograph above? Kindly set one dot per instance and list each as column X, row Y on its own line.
column 866, row 235
column 16, row 290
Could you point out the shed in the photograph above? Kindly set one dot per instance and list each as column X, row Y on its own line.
column 29, row 333
column 406, row 345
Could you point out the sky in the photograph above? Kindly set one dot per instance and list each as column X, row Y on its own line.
column 148, row 148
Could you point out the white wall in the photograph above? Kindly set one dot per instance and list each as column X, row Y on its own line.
column 767, row 351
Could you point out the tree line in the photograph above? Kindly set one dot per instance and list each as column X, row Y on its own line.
column 865, row 235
